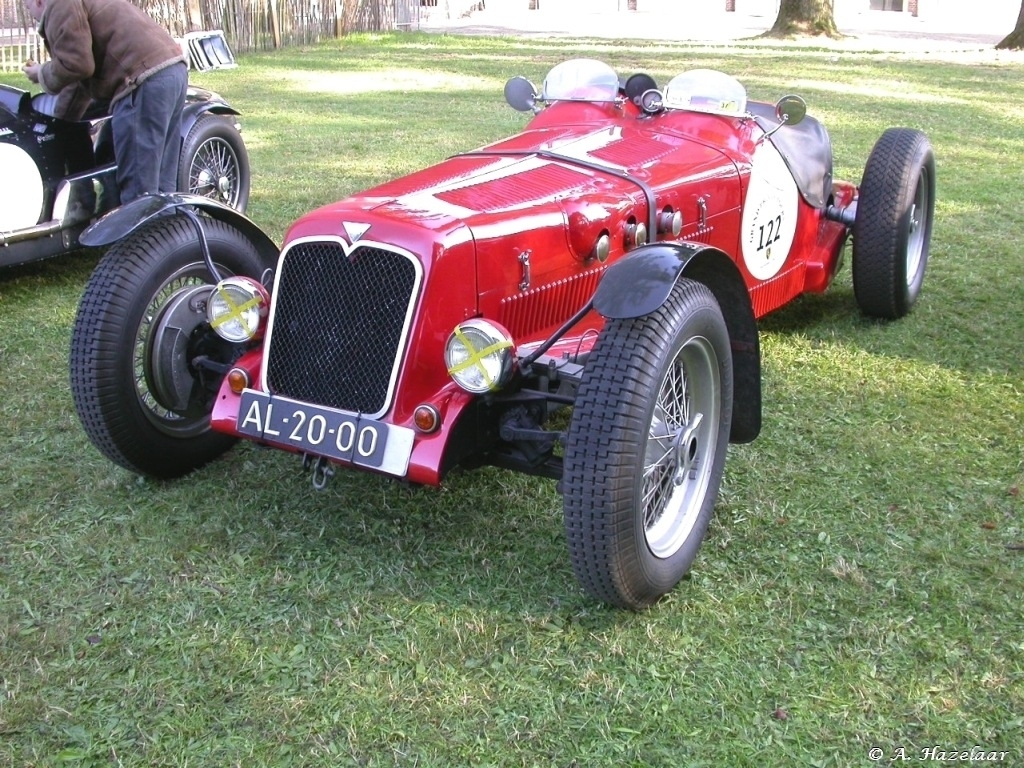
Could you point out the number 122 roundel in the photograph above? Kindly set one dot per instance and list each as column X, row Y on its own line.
column 769, row 214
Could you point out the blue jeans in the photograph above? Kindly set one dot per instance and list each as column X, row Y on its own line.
column 147, row 133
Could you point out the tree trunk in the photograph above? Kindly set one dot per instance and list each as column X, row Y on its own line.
column 805, row 17
column 1015, row 40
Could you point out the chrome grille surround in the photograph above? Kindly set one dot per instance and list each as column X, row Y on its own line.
column 339, row 323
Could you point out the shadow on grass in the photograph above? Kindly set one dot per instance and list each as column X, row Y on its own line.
column 73, row 266
column 485, row 540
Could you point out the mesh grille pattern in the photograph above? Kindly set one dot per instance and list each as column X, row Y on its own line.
column 338, row 325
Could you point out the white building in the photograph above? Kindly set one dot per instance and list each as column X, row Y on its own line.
column 990, row 9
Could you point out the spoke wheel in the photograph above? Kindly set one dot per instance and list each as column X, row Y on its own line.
column 214, row 162
column 140, row 327
column 646, row 448
column 683, row 434
column 893, row 228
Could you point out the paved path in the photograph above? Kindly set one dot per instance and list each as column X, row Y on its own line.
column 865, row 30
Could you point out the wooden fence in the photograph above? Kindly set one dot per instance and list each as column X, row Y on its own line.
column 249, row 25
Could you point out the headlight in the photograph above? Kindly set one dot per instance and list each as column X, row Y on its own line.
column 479, row 356
column 237, row 309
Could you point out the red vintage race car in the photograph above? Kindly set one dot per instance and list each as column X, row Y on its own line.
column 612, row 258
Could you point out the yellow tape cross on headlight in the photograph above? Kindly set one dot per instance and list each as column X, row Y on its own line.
column 476, row 357
column 237, row 311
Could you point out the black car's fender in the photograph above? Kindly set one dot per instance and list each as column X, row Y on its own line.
column 121, row 222
column 199, row 103
column 640, row 283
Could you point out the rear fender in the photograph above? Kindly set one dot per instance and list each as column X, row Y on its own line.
column 103, row 139
column 195, row 109
column 640, row 284
column 121, row 222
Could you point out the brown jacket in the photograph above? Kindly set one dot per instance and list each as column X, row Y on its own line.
column 105, row 47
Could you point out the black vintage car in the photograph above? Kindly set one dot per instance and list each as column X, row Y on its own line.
column 58, row 176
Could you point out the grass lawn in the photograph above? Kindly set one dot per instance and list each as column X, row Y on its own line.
column 861, row 585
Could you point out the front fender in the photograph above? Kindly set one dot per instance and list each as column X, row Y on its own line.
column 640, row 283
column 122, row 221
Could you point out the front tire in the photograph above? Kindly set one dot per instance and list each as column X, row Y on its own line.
column 893, row 228
column 214, row 162
column 139, row 329
column 646, row 447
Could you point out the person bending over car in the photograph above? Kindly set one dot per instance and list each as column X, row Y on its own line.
column 112, row 50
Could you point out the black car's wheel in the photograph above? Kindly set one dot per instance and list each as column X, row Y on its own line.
column 646, row 448
column 893, row 228
column 140, row 328
column 214, row 162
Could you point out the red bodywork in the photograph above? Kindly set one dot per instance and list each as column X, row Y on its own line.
column 508, row 233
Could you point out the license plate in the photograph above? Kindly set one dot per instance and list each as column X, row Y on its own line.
column 327, row 432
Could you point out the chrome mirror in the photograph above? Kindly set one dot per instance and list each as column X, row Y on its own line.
column 521, row 94
column 791, row 109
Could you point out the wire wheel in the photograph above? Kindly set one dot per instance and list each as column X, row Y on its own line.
column 214, row 162
column 141, row 327
column 893, row 227
column 682, row 440
column 646, row 447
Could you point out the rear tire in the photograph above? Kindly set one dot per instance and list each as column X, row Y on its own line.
column 892, row 231
column 646, row 447
column 214, row 162
column 138, row 309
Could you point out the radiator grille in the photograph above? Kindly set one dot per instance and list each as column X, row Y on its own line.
column 339, row 325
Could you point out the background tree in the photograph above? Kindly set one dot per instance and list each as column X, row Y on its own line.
column 1016, row 38
column 805, row 17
